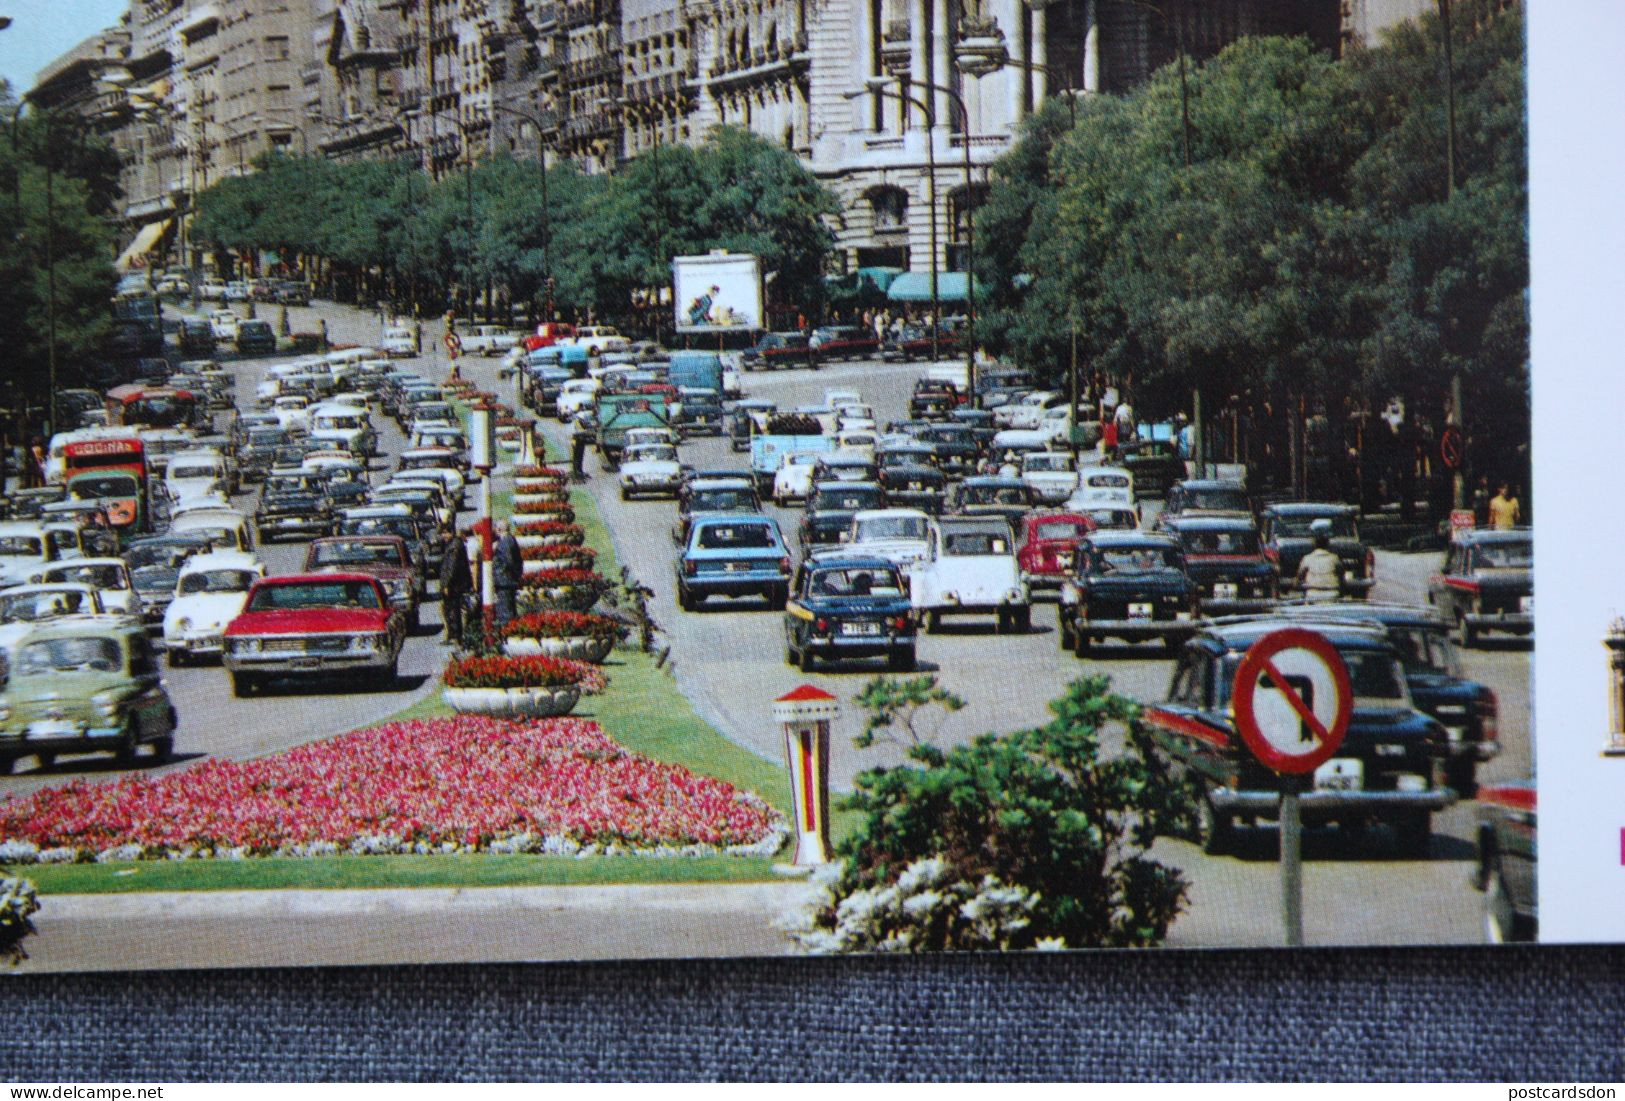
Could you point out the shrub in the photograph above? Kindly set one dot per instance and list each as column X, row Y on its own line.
column 19, row 902
column 1033, row 839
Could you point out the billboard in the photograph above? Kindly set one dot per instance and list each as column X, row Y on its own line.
column 720, row 291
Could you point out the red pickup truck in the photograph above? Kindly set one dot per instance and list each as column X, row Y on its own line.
column 310, row 626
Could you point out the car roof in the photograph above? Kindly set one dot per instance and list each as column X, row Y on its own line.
column 993, row 480
column 1309, row 508
column 730, row 482
column 1242, row 633
column 717, row 519
column 222, row 560
column 1367, row 611
column 820, row 486
column 973, row 523
column 880, row 513
column 1212, row 523
column 306, row 578
column 1133, row 539
column 850, row 560
column 1211, row 483
column 76, row 626
column 21, row 527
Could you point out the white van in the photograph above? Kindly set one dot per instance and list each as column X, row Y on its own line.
column 226, row 529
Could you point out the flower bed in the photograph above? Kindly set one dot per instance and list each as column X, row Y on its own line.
column 550, row 473
column 580, row 557
column 562, row 634
column 561, row 590
column 504, row 672
column 549, row 533
column 550, row 507
column 556, row 514
column 463, row 784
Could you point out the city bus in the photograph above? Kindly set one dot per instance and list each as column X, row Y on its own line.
column 138, row 406
column 112, row 473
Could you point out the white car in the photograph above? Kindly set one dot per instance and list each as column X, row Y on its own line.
column 224, row 324
column 400, row 340
column 575, row 396
column 637, row 437
column 898, row 535
column 970, row 568
column 1102, row 487
column 343, row 427
column 110, row 577
column 195, row 473
column 488, row 340
column 26, row 606
column 794, row 479
column 292, row 413
column 24, row 550
column 237, row 291
column 439, row 463
column 598, row 339
column 650, row 468
column 212, row 289
column 446, row 479
column 1025, row 411
column 209, row 594
column 860, row 441
column 1051, row 475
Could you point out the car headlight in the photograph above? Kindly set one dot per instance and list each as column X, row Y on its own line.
column 364, row 643
column 107, row 703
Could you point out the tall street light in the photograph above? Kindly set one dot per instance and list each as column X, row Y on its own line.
column 468, row 199
column 877, row 83
column 883, row 86
column 547, row 213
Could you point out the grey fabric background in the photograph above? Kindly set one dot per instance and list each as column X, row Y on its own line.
column 1519, row 1014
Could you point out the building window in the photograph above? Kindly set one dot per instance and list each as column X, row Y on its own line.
column 890, row 208
column 276, row 48
column 961, row 210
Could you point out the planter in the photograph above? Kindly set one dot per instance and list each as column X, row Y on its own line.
column 541, row 597
column 578, row 647
column 553, row 513
column 541, row 497
column 524, row 484
column 539, row 566
column 512, row 703
column 544, row 540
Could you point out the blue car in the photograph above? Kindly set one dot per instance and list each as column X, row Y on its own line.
column 849, row 607
column 733, row 555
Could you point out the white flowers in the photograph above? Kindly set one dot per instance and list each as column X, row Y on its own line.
column 926, row 909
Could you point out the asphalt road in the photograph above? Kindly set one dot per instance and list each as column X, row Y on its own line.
column 729, row 658
column 213, row 723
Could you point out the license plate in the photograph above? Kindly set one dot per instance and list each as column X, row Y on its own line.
column 1139, row 611
column 860, row 628
column 306, row 663
column 1224, row 590
column 1526, row 604
column 51, row 728
column 735, row 567
column 1340, row 774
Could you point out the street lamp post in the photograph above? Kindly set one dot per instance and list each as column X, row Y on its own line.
column 882, row 86
column 547, row 213
column 970, row 236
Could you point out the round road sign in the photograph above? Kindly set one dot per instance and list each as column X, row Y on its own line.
column 1450, row 447
column 1293, row 700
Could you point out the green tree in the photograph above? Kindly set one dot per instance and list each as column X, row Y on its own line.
column 1037, row 838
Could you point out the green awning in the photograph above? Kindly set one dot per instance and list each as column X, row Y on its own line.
column 915, row 286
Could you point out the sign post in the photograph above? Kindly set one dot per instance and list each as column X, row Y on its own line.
column 1293, row 701
column 805, row 715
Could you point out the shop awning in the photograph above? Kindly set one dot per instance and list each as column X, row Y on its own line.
column 915, row 286
column 145, row 240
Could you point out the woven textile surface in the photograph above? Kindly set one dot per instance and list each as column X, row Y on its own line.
column 1521, row 1014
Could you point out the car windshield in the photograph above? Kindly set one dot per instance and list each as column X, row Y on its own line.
column 722, row 500
column 1219, row 542
column 1061, row 529
column 217, row 581
column 1217, row 500
column 1504, row 556
column 31, row 607
column 1373, row 674
column 1143, row 559
column 341, row 423
column 310, row 594
column 355, row 552
column 158, row 577
column 1038, row 462
column 104, row 485
column 67, row 655
column 395, row 525
column 177, row 471
column 995, row 495
column 861, row 581
column 892, row 527
column 20, row 546
column 1425, row 650
column 848, row 500
column 266, row 437
column 101, row 576
column 1340, row 525
column 652, row 453
column 968, row 543
column 736, row 537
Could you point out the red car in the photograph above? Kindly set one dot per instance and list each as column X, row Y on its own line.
column 1049, row 544
column 308, row 626
column 547, row 334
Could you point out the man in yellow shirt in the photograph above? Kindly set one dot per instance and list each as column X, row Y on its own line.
column 1504, row 510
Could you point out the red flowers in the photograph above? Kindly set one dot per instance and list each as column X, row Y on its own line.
column 540, row 472
column 551, row 509
column 551, row 785
column 560, row 533
column 563, row 578
column 550, row 552
column 564, row 625
column 506, row 672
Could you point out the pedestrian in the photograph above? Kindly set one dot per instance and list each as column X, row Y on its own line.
column 507, row 573
column 1320, row 574
column 1504, row 509
column 581, row 437
column 321, row 332
column 35, row 476
column 1108, row 438
column 1481, row 502
column 456, row 582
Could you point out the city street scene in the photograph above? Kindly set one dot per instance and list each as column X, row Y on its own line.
column 620, row 478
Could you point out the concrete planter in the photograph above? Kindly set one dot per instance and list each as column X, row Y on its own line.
column 554, row 540
column 542, row 566
column 513, row 703
column 539, row 485
column 537, row 596
column 577, row 647
column 542, row 497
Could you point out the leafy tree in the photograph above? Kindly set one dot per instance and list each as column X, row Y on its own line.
column 1037, row 838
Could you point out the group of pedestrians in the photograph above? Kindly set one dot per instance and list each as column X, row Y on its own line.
column 457, row 586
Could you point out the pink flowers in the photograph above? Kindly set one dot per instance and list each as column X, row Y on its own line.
column 511, row 672
column 432, row 785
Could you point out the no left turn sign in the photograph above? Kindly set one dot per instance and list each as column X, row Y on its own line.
column 1293, row 700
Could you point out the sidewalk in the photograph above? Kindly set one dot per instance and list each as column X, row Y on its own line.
column 283, row 928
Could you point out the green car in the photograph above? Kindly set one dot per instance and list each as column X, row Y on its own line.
column 82, row 686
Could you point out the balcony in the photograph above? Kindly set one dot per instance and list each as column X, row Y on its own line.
column 547, row 15
column 548, row 118
column 578, row 13
column 896, row 41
